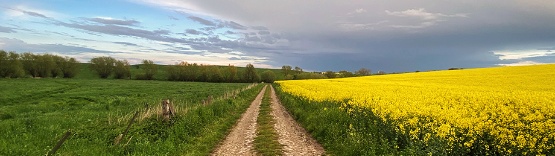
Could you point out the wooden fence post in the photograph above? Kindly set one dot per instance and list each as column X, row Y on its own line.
column 168, row 110
column 60, row 142
column 121, row 136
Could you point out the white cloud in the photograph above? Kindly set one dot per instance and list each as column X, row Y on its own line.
column 421, row 13
column 522, row 63
column 418, row 26
column 22, row 11
column 360, row 10
column 357, row 11
column 522, row 54
column 360, row 26
column 429, row 19
column 176, row 5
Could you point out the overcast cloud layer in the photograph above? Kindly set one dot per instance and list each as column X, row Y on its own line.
column 392, row 36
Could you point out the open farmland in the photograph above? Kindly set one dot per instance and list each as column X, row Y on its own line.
column 500, row 110
column 34, row 113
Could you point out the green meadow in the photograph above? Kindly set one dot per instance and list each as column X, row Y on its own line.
column 35, row 113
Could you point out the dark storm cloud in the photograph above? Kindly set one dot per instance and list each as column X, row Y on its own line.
column 202, row 21
column 392, row 35
column 114, row 21
column 263, row 32
column 234, row 25
column 35, row 14
column 157, row 35
column 127, row 44
column 194, row 32
column 259, row 28
column 234, row 58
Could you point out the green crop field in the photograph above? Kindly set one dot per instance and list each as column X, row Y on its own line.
column 35, row 113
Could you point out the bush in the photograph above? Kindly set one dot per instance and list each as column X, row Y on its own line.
column 103, row 66
column 122, row 69
column 69, row 67
column 149, row 68
column 268, row 76
column 10, row 65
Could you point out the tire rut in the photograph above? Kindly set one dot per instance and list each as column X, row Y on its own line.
column 294, row 138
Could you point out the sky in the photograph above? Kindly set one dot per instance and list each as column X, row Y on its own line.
column 316, row 35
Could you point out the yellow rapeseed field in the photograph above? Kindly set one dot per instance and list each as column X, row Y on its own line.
column 514, row 106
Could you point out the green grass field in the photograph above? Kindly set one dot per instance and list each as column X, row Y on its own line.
column 34, row 113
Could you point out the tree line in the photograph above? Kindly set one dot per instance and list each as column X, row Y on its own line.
column 105, row 67
column 14, row 65
column 184, row 71
column 298, row 74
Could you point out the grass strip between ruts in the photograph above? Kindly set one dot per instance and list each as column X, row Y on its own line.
column 266, row 141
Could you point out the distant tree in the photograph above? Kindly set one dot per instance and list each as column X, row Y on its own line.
column 103, row 66
column 286, row 70
column 56, row 70
column 363, row 72
column 330, row 74
column 45, row 65
column 122, row 69
column 204, row 74
column 230, row 74
column 193, row 72
column 10, row 65
column 298, row 70
column 268, row 76
column 69, row 67
column 311, row 76
column 289, row 77
column 149, row 68
column 250, row 74
column 174, row 72
column 29, row 64
column 55, row 63
column 345, row 73
column 215, row 74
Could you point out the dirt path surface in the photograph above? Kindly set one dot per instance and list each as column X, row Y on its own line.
column 239, row 140
column 294, row 138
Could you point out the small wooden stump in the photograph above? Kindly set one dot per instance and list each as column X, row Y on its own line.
column 168, row 110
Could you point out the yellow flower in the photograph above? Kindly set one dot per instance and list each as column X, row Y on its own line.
column 515, row 105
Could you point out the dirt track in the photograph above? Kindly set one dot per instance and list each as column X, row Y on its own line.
column 239, row 140
column 295, row 140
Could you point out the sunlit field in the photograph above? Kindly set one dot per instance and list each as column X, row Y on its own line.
column 500, row 110
column 35, row 113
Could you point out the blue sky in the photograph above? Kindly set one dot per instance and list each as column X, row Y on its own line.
column 392, row 36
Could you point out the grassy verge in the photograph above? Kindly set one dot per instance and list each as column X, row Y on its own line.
column 266, row 141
